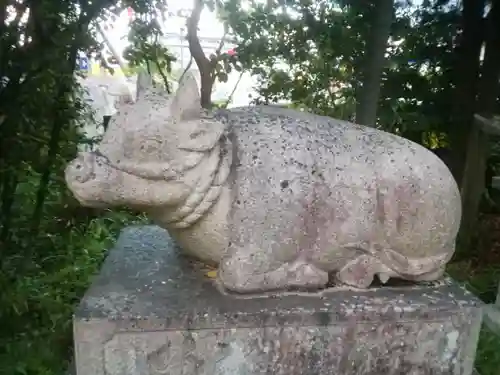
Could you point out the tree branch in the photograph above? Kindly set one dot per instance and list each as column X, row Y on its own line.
column 187, row 68
column 222, row 41
column 192, row 36
column 213, row 63
column 230, row 98
column 198, row 55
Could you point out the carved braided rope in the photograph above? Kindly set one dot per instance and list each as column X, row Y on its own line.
column 209, row 188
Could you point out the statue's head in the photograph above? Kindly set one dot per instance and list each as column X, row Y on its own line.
column 147, row 152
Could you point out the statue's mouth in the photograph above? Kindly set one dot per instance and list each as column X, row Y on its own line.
column 81, row 169
column 84, row 166
column 86, row 177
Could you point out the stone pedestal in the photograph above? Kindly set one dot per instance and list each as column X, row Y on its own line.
column 151, row 312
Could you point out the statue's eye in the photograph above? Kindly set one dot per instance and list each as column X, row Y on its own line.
column 100, row 159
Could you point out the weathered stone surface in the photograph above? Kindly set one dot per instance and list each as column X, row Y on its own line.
column 152, row 311
column 279, row 198
column 492, row 315
column 492, row 318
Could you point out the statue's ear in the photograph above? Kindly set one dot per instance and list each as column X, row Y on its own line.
column 187, row 98
column 203, row 136
column 144, row 83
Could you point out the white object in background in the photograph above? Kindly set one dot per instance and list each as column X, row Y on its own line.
column 123, row 88
column 107, row 91
column 92, row 95
column 108, row 108
column 112, row 48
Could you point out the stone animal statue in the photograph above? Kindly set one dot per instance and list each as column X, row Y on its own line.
column 279, row 199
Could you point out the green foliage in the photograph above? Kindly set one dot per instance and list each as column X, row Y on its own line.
column 223, row 64
column 482, row 281
column 318, row 72
column 146, row 49
column 45, row 275
column 309, row 53
column 49, row 246
column 488, row 355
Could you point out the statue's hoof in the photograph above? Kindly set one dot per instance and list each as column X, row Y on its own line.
column 305, row 275
column 359, row 272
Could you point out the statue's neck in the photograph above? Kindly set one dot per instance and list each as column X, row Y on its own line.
column 209, row 177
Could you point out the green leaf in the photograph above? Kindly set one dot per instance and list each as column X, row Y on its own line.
column 222, row 76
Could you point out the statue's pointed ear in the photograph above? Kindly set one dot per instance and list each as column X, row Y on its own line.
column 187, row 97
column 144, row 83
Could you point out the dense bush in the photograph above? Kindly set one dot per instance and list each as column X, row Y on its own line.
column 42, row 277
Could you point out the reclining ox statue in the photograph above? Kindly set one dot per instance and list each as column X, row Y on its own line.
column 279, row 199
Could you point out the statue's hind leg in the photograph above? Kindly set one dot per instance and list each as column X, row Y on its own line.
column 361, row 271
column 429, row 276
column 252, row 270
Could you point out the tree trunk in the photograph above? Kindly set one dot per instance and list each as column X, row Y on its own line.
column 466, row 73
column 204, row 65
column 369, row 93
column 475, row 164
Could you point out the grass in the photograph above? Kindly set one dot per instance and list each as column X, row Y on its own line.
column 488, row 353
column 39, row 295
column 484, row 283
column 44, row 274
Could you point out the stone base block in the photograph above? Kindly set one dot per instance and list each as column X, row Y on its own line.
column 152, row 311
column 492, row 318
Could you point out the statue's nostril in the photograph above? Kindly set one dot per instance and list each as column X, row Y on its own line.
column 83, row 171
